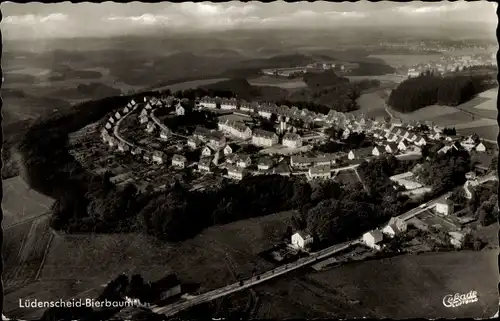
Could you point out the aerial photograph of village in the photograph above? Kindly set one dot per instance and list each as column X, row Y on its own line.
column 307, row 160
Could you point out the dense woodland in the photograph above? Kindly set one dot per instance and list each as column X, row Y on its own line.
column 430, row 89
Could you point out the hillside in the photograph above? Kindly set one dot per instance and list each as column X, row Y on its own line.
column 243, row 90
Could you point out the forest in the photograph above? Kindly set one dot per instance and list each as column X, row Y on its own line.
column 430, row 89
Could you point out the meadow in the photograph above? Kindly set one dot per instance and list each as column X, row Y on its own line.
column 277, row 82
column 406, row 286
column 398, row 60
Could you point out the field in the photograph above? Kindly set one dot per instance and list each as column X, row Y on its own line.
column 384, row 79
column 346, row 177
column 191, row 84
column 24, row 250
column 20, row 203
column 406, row 60
column 277, row 82
column 213, row 258
column 406, row 286
column 372, row 105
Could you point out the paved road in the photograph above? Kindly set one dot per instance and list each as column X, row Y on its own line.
column 235, row 287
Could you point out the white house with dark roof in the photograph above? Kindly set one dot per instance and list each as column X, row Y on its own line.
column 143, row 119
column 444, row 207
column 402, row 145
column 396, row 226
column 148, row 106
column 117, row 115
column 264, row 138
column 207, row 151
column 301, row 240
column 300, row 162
column 377, row 151
column 266, row 110
column 392, row 138
column 108, row 126
column 480, row 148
column 247, row 106
column 227, row 150
column 179, row 110
column 292, row 140
column 420, row 141
column 125, row 110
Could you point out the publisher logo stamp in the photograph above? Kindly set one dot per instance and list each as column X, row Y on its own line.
column 457, row 299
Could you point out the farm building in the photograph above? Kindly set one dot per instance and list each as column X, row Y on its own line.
column 373, row 238
column 302, row 240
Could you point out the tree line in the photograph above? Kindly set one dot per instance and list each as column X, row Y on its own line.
column 431, row 89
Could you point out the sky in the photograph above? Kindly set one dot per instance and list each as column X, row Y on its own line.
column 36, row 20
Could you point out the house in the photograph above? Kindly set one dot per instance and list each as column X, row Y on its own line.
column 165, row 134
column 206, row 151
column 235, row 128
column 227, row 150
column 246, row 106
column 179, row 110
column 111, row 120
column 420, row 141
column 373, row 238
column 302, row 240
column 194, row 142
column 392, row 138
column 292, row 140
column 148, row 106
column 402, row 146
column 166, row 288
column 435, row 136
column 266, row 110
column 264, row 138
column 150, row 127
column 396, row 226
column 232, row 158
column 360, row 153
column 377, row 151
column 447, row 148
column 112, row 141
column 158, row 157
column 208, row 102
column 243, row 161
column 265, row 163
column 179, row 161
column 412, row 138
column 300, row 162
column 108, row 126
column 346, row 133
column 235, row 172
column 125, row 110
column 143, row 119
column 228, row 104
column 117, row 115
column 481, row 148
column 391, row 148
column 319, row 172
column 205, row 164
column 444, row 207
